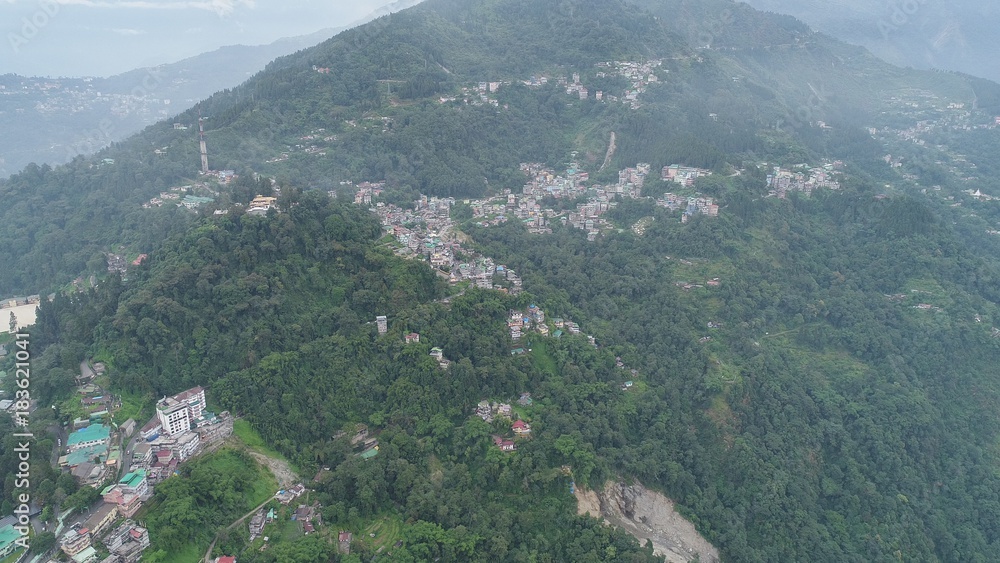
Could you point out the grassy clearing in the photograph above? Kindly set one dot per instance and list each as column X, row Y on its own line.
column 136, row 407
column 541, row 357
column 252, row 440
column 388, row 530
column 191, row 553
column 224, row 463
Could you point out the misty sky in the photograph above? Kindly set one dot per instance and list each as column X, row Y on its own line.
column 105, row 37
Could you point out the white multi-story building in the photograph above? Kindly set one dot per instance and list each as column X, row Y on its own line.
column 178, row 414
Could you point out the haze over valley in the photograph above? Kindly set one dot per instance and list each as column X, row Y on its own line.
column 507, row 280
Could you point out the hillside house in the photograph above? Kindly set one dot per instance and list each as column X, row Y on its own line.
column 344, row 542
column 257, row 524
column 521, row 428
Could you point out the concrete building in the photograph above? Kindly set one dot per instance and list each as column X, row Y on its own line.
column 177, row 414
column 135, row 483
column 75, row 540
column 127, row 542
column 92, row 435
column 383, row 324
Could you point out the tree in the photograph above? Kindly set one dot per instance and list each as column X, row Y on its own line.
column 42, row 542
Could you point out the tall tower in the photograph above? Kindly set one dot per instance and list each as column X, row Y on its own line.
column 204, row 147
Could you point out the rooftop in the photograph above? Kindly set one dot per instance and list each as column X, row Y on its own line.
column 134, row 478
column 7, row 535
column 86, row 454
column 92, row 432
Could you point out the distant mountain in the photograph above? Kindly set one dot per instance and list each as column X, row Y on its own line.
column 815, row 366
column 956, row 35
column 48, row 120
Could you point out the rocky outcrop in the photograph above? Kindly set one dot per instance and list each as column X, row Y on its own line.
column 648, row 515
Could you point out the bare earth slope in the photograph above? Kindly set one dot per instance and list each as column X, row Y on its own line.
column 647, row 515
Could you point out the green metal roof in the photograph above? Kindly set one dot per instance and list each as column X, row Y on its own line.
column 7, row 536
column 92, row 432
column 86, row 455
column 134, row 478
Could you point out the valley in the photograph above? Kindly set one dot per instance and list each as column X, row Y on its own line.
column 475, row 271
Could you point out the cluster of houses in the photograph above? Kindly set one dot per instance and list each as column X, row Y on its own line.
column 589, row 215
column 688, row 286
column 522, row 321
column 493, row 411
column 628, row 383
column 698, row 205
column 683, row 175
column 803, row 178
column 947, row 117
column 91, row 453
column 640, row 76
column 117, row 263
column 125, row 543
column 308, row 516
column 190, row 196
column 481, row 94
column 427, row 232
column 366, row 191
column 181, row 429
column 533, row 318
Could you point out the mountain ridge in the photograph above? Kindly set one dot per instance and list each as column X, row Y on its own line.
column 806, row 366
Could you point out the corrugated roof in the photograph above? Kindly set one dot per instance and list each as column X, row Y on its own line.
column 7, row 535
column 92, row 432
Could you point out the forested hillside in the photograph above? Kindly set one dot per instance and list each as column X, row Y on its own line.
column 367, row 105
column 808, row 372
column 827, row 415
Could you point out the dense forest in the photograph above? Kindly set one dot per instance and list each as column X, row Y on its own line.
column 375, row 114
column 829, row 397
column 827, row 394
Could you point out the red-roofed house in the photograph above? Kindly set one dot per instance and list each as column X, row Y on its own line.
column 508, row 446
column 521, row 428
column 226, row 559
column 344, row 541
